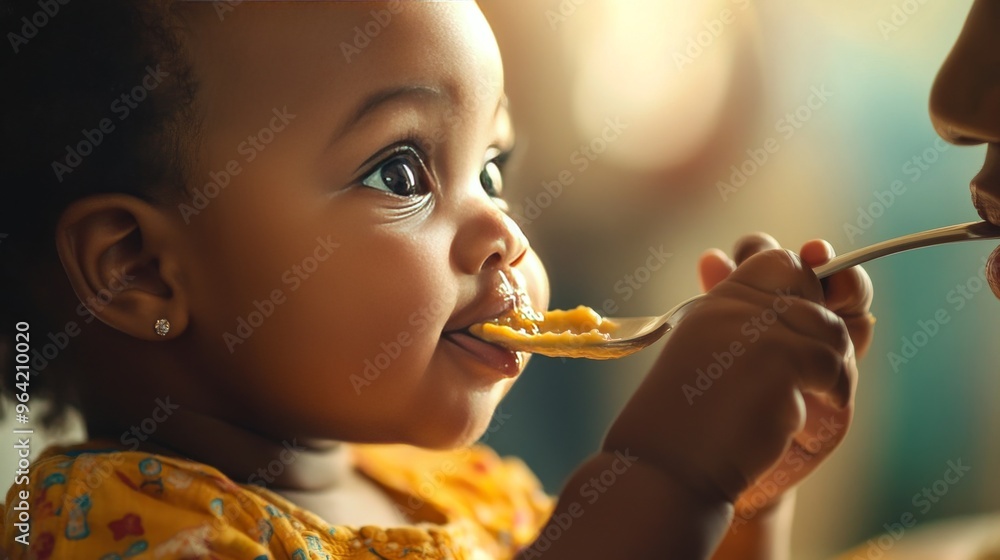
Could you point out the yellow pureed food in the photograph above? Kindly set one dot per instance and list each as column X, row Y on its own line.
column 573, row 333
column 558, row 333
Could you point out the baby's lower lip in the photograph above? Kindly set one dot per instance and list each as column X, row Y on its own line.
column 507, row 362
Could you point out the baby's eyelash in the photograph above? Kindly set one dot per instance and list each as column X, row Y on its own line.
column 406, row 144
column 501, row 158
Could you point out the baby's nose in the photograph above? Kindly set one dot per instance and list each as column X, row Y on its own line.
column 488, row 239
column 510, row 246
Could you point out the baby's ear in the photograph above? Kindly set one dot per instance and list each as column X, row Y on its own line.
column 122, row 258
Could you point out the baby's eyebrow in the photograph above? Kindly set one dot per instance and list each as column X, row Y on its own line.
column 381, row 97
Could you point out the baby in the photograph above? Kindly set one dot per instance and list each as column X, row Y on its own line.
column 284, row 218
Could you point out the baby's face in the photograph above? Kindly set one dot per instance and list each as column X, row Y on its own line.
column 965, row 107
column 357, row 236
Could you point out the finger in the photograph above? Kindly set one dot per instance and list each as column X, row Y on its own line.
column 826, row 371
column 823, row 350
column 862, row 329
column 817, row 252
column 840, row 397
column 812, row 338
column 777, row 272
column 829, row 347
column 825, row 427
column 848, row 293
column 749, row 245
column 714, row 266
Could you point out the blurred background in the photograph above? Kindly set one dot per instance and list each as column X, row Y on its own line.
column 632, row 116
column 651, row 130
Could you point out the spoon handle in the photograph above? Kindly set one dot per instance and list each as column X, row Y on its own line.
column 950, row 234
column 960, row 232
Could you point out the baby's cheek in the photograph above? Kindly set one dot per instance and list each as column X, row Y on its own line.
column 993, row 271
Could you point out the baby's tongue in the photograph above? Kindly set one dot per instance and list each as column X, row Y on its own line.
column 993, row 271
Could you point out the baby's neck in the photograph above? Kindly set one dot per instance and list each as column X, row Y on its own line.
column 318, row 476
column 248, row 457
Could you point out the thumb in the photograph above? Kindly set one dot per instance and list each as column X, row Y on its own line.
column 714, row 266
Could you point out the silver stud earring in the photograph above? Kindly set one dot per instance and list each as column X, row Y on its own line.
column 162, row 327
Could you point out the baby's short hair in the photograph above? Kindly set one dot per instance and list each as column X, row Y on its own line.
column 81, row 117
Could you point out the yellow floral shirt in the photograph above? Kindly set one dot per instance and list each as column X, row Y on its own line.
column 93, row 501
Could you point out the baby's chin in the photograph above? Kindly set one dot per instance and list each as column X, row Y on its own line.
column 466, row 424
column 993, row 271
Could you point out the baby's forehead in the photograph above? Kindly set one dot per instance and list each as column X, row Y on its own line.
column 276, row 53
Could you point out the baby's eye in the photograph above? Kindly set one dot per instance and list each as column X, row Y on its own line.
column 492, row 179
column 400, row 174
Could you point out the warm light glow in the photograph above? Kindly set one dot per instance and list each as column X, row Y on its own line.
column 673, row 97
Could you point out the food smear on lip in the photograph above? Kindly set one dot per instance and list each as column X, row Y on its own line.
column 573, row 333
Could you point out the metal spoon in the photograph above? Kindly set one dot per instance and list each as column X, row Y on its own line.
column 635, row 333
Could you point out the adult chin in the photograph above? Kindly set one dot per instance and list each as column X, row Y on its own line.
column 993, row 271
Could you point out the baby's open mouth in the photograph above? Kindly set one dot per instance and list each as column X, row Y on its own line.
column 523, row 327
column 507, row 362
